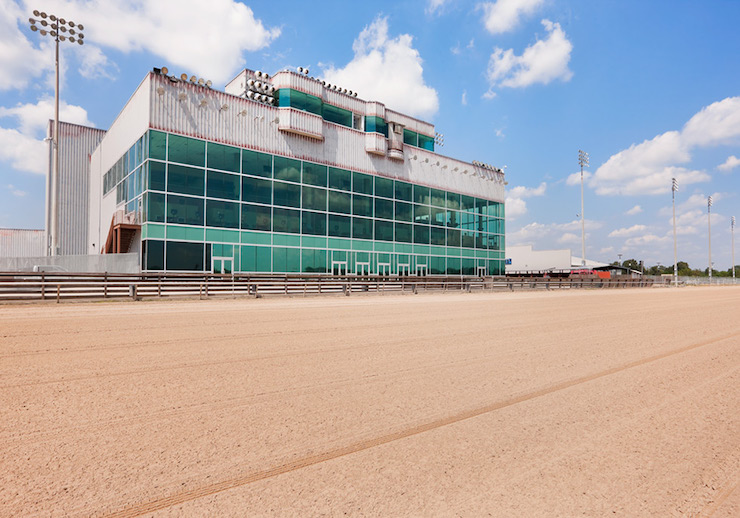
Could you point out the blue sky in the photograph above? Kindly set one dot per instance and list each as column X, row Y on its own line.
column 651, row 89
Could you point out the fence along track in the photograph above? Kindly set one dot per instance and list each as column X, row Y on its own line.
column 15, row 286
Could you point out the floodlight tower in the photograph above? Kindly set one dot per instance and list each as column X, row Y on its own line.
column 709, row 222
column 583, row 161
column 674, row 188
column 56, row 28
column 732, row 230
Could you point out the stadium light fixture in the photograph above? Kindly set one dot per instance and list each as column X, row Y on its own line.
column 583, row 161
column 57, row 26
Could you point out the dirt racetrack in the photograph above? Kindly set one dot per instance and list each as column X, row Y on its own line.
column 581, row 403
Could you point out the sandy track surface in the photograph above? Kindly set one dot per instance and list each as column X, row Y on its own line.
column 584, row 403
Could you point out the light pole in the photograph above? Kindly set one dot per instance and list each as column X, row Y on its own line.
column 732, row 229
column 674, row 188
column 583, row 161
column 56, row 29
column 709, row 222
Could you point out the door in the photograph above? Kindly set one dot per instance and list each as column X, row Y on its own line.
column 404, row 269
column 362, row 268
column 421, row 270
column 481, row 271
column 222, row 265
column 339, row 267
column 384, row 268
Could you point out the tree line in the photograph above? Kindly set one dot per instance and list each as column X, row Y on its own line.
column 684, row 270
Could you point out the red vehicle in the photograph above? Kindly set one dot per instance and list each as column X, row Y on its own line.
column 585, row 272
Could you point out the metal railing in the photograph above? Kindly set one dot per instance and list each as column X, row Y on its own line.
column 60, row 286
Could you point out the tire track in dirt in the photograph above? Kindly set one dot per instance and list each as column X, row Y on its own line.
column 210, row 489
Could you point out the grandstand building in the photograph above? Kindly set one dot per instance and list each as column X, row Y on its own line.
column 286, row 174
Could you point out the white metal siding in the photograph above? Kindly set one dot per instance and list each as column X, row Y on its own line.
column 22, row 243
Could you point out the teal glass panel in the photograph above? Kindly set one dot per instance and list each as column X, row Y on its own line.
column 314, row 199
column 287, row 169
column 422, row 194
column 468, row 239
column 403, row 211
column 403, row 191
column 382, row 247
column 437, row 265
column 314, row 223
column 315, row 174
column 426, row 142
column 437, row 236
column 340, row 226
column 154, row 207
column 256, row 217
column 256, row 259
column 337, row 115
column 313, row 242
column 156, row 175
column 339, row 244
column 153, row 252
column 410, row 137
column 467, row 203
column 375, row 124
column 453, row 266
column 155, row 231
column 468, row 266
column 383, row 187
column 286, row 220
column 383, row 208
column 340, row 202
column 157, row 145
column 186, row 211
column 453, row 237
column 362, row 228
column 286, row 194
column 185, row 180
column 421, row 214
column 223, row 157
column 496, row 242
column 362, row 205
column 362, row 183
column 257, row 238
column 258, row 164
column 186, row 150
column 340, row 179
column 453, row 201
column 383, row 230
column 224, row 214
column 437, row 197
column 222, row 185
column 481, row 206
column 362, row 245
column 286, row 240
column 256, row 190
column 438, row 216
column 185, row 256
column 185, row 233
column 421, row 234
column 286, row 260
column 452, row 251
column 403, row 232
column 222, row 235
column 313, row 261
column 453, row 218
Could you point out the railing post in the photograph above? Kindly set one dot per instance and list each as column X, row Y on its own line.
column 58, row 290
column 105, row 285
column 43, row 287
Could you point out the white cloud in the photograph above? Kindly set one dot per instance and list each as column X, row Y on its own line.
column 647, row 239
column 575, row 178
column 173, row 30
column 626, row 232
column 545, row 236
column 647, row 168
column 569, row 237
column 388, row 70
column 20, row 61
column 23, row 145
column 504, row 15
column 634, row 210
column 515, row 204
column 95, row 64
column 436, row 6
column 16, row 192
column 464, row 99
column 731, row 163
column 543, row 62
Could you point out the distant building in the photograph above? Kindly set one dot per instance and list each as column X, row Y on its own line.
column 22, row 243
column 523, row 259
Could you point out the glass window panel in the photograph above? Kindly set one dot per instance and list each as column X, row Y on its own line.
column 258, row 164
column 313, row 261
column 256, row 190
column 186, row 211
column 314, row 174
column 481, row 206
column 362, row 205
column 287, row 169
column 383, row 230
column 383, row 187
column 383, row 208
column 410, row 137
column 403, row 191
column 314, row 223
column 256, row 259
column 153, row 255
column 453, row 218
column 340, row 226
column 156, row 175
column 468, row 267
column 426, row 142
column 224, row 214
column 421, row 194
column 337, row 115
column 286, row 194
column 467, row 203
column 437, row 236
column 186, row 150
column 421, row 234
column 222, row 185
column 185, row 180
column 468, row 239
column 286, row 220
column 403, row 211
column 185, row 256
column 340, row 179
column 453, row 201
column 362, row 183
column 340, row 202
column 157, row 145
column 154, row 207
column 421, row 214
column 453, row 237
column 314, row 199
column 362, row 228
column 438, row 216
column 256, row 217
column 223, row 157
column 403, row 232
column 453, row 266
column 437, row 265
column 437, row 198
column 286, row 260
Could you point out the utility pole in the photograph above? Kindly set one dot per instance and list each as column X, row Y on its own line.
column 674, row 188
column 583, row 161
column 709, row 222
column 732, row 229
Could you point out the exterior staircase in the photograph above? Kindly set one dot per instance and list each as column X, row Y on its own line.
column 123, row 229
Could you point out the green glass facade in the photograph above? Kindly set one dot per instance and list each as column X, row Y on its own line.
column 206, row 206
